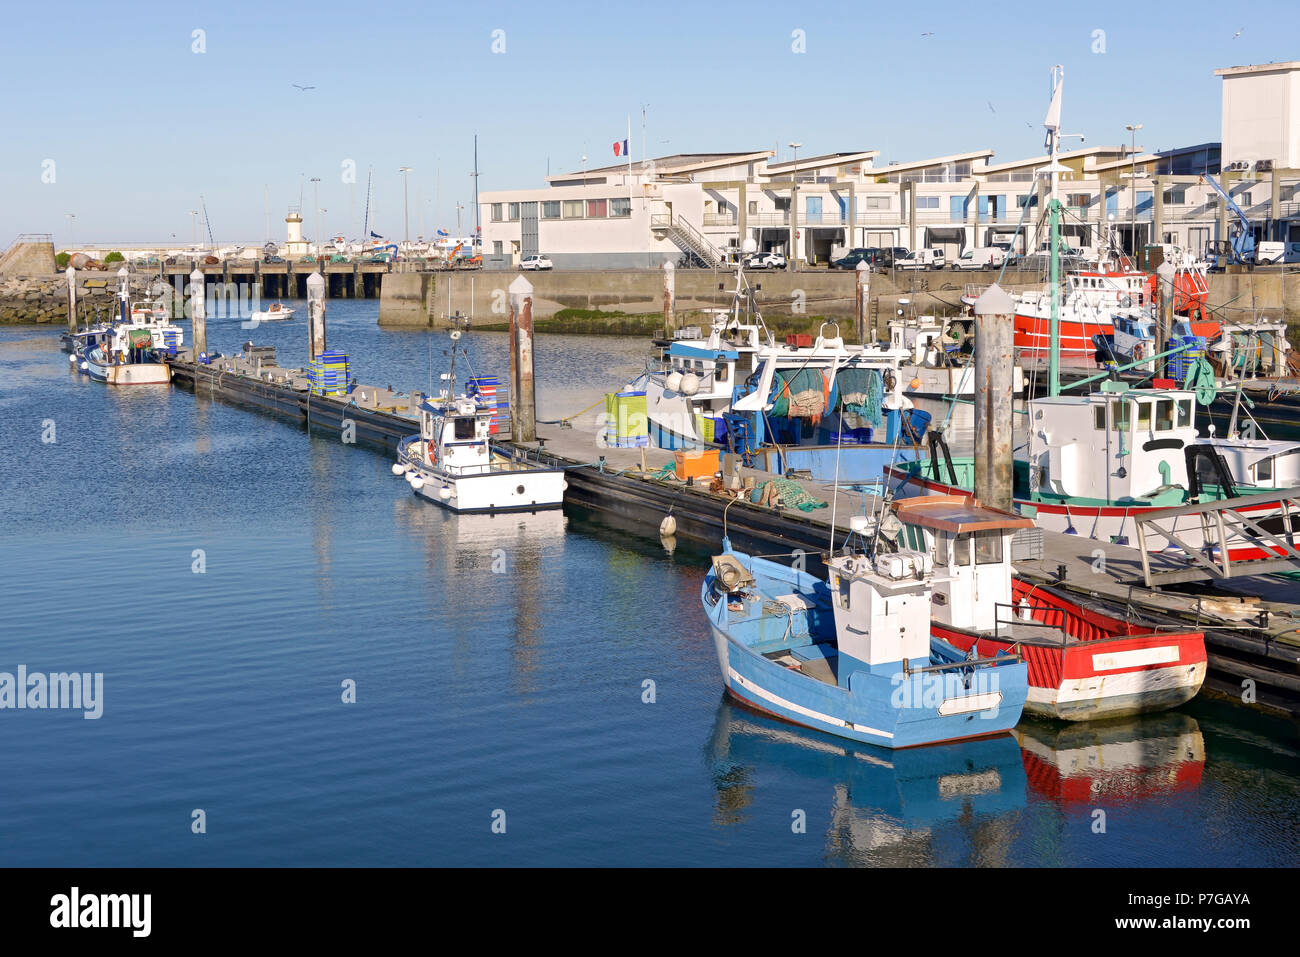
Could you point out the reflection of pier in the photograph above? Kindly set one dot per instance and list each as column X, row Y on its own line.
column 1115, row 761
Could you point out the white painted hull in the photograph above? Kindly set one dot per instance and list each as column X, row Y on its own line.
column 507, row 490
column 1109, row 696
column 264, row 316
column 133, row 373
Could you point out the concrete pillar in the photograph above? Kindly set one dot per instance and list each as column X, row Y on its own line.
column 994, row 362
column 852, row 224
column 1158, row 211
column 742, row 216
column 793, row 259
column 523, row 397
column 670, row 299
column 1223, row 215
column 290, row 287
column 1275, row 202
column 864, row 297
column 316, row 314
column 911, row 216
column 198, row 313
column 974, row 200
column 72, row 298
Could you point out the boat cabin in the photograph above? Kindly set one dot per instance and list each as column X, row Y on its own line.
column 701, row 371
column 881, row 606
column 1116, row 445
column 970, row 546
column 1261, row 464
column 456, row 434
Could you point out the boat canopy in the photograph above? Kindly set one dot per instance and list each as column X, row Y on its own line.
column 957, row 514
column 685, row 351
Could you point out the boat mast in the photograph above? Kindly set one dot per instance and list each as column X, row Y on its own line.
column 1053, row 124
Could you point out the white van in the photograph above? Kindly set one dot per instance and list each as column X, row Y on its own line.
column 922, row 259
column 1270, row 253
column 983, row 257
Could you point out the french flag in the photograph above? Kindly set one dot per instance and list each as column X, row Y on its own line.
column 620, row 149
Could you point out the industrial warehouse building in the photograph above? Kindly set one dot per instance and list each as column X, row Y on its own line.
column 701, row 207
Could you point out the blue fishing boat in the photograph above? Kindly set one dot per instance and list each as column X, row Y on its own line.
column 855, row 654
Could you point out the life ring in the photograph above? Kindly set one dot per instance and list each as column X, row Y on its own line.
column 1137, row 352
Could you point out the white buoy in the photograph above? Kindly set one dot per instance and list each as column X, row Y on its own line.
column 444, row 493
column 668, row 527
column 564, row 486
column 399, row 468
column 674, row 382
column 690, row 384
column 417, row 483
column 72, row 358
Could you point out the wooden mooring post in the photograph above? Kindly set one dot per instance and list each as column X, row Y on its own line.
column 994, row 368
column 522, row 394
column 198, row 314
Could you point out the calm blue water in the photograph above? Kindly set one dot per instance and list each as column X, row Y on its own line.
column 476, row 690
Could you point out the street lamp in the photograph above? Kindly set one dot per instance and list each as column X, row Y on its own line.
column 794, row 210
column 324, row 231
column 315, row 201
column 194, row 223
column 459, row 207
column 406, row 211
column 584, row 169
column 71, row 217
column 1132, row 225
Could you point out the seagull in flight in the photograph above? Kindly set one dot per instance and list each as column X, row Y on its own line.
column 302, row 89
column 924, row 35
column 991, row 110
column 1237, row 34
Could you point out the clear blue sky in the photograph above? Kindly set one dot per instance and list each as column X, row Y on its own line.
column 138, row 125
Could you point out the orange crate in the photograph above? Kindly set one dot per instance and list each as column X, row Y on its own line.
column 699, row 463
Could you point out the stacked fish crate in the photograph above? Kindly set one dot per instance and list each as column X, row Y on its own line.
column 626, row 424
column 1179, row 365
column 328, row 374
column 487, row 393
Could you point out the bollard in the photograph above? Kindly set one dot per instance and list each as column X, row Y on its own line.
column 198, row 313
column 315, row 315
column 670, row 299
column 72, row 299
column 523, row 399
column 994, row 367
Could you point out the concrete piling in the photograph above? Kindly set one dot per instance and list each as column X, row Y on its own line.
column 670, row 298
column 523, row 397
column 1165, row 274
column 863, row 297
column 316, row 315
column 72, row 299
column 994, row 367
column 198, row 313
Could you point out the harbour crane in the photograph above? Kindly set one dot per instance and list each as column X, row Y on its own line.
column 1242, row 248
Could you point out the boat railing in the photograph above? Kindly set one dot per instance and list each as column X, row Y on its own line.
column 1017, row 619
column 1007, row 658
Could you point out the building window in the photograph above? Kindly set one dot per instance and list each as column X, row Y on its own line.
column 572, row 209
column 783, row 204
column 597, row 209
column 1078, row 200
column 1026, row 199
column 496, row 212
column 927, row 202
column 876, row 202
column 497, row 249
column 512, row 212
column 753, row 207
column 551, row 209
column 620, row 208
column 1175, row 197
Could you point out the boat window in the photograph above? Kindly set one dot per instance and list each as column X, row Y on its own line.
column 1264, row 471
column 721, row 373
column 1144, row 416
column 1164, row 415
column 988, row 547
column 843, row 592
column 1099, row 417
column 954, row 550
column 1184, row 413
column 465, row 427
column 1119, row 418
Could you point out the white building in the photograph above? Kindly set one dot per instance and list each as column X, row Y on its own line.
column 1261, row 114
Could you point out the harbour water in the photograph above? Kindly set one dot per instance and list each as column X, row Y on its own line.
column 229, row 574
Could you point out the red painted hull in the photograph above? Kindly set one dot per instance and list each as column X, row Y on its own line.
column 1033, row 339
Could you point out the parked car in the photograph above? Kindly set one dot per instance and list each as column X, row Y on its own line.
column 982, row 257
column 272, row 260
column 765, row 261
column 851, row 258
column 536, row 262
column 932, row 258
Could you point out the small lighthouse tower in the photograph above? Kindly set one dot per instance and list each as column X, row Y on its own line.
column 296, row 245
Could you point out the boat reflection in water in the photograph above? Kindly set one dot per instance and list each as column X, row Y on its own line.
column 884, row 805
column 1117, row 762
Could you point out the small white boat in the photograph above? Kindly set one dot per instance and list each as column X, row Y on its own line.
column 453, row 463
column 273, row 313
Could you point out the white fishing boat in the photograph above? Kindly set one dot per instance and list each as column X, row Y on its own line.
column 453, row 463
column 132, row 351
column 275, row 312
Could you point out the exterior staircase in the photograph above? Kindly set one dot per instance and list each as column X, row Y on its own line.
column 687, row 238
